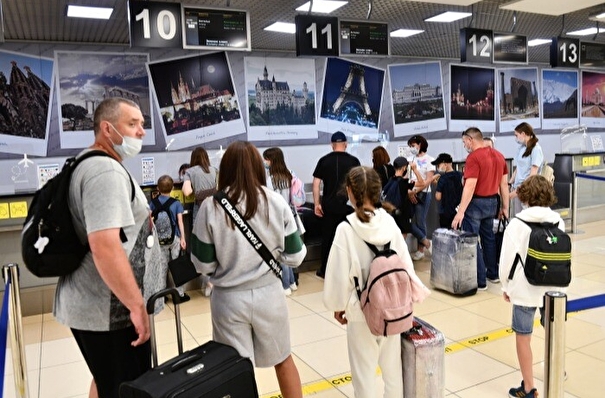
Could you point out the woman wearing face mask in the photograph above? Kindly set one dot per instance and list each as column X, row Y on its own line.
column 420, row 195
column 528, row 161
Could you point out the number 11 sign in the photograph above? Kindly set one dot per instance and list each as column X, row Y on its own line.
column 316, row 35
column 155, row 24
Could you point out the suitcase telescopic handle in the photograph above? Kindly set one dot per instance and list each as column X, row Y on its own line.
column 176, row 299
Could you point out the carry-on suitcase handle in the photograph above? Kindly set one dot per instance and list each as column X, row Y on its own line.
column 176, row 299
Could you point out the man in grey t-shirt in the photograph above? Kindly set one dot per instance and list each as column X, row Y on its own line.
column 103, row 301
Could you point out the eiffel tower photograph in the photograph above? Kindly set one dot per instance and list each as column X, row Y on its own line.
column 352, row 93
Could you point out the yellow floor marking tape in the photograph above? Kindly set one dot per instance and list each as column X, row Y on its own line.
column 339, row 381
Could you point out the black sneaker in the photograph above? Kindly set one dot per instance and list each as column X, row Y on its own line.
column 519, row 392
column 184, row 298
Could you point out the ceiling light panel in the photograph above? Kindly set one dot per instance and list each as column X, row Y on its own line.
column 448, row 16
column 322, row 6
column 89, row 12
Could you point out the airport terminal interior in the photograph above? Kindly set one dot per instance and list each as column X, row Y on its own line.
column 480, row 358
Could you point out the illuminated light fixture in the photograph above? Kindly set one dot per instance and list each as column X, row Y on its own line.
column 538, row 42
column 585, row 32
column 405, row 32
column 597, row 17
column 282, row 27
column 89, row 12
column 448, row 16
column 322, row 6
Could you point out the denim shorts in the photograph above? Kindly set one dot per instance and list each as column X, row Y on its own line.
column 523, row 319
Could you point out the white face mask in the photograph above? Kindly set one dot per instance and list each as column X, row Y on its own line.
column 130, row 146
column 414, row 150
column 467, row 149
column 520, row 141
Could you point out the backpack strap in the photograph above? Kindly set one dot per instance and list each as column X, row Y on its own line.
column 90, row 154
column 532, row 225
column 375, row 250
column 158, row 206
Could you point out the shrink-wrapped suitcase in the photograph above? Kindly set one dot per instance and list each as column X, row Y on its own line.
column 454, row 261
column 422, row 353
column 212, row 370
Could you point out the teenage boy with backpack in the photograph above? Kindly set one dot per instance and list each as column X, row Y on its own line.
column 173, row 208
column 537, row 195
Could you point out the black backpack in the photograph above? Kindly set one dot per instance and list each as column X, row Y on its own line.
column 548, row 261
column 49, row 219
column 391, row 192
column 162, row 220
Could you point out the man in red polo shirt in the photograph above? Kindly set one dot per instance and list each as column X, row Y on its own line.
column 485, row 175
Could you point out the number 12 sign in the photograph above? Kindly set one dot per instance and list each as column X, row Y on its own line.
column 155, row 24
column 316, row 35
column 476, row 45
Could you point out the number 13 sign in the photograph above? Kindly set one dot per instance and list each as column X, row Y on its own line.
column 316, row 35
column 155, row 24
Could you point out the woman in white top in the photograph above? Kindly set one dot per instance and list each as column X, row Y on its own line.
column 420, row 196
column 528, row 161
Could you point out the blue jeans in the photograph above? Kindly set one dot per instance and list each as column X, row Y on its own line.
column 419, row 212
column 287, row 276
column 478, row 219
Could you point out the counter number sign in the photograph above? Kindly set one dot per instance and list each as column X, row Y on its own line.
column 155, row 24
column 316, row 35
column 476, row 45
column 565, row 52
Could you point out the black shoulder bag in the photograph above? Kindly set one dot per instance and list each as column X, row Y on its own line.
column 248, row 232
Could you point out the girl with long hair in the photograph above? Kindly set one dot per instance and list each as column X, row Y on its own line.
column 528, row 161
column 248, row 306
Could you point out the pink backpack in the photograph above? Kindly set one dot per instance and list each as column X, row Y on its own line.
column 298, row 197
column 387, row 296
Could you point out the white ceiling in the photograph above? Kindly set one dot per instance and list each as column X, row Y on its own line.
column 549, row 7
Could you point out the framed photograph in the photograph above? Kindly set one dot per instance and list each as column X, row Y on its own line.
column 559, row 99
column 84, row 79
column 352, row 99
column 593, row 99
column 196, row 99
column 519, row 98
column 280, row 93
column 472, row 98
column 417, row 97
column 26, row 90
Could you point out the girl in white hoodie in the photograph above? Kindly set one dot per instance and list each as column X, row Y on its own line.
column 537, row 195
column 350, row 257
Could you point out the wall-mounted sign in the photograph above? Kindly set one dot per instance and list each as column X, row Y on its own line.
column 476, row 45
column 155, row 24
column 565, row 52
column 316, row 35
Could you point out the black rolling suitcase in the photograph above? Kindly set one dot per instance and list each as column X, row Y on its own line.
column 212, row 370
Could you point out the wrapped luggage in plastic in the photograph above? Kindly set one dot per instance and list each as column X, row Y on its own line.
column 423, row 356
column 454, row 261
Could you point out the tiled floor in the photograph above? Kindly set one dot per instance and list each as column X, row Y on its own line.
column 486, row 369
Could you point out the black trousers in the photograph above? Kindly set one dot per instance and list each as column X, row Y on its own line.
column 328, row 230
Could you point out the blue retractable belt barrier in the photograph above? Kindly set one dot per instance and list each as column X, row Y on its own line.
column 4, row 332
column 586, row 303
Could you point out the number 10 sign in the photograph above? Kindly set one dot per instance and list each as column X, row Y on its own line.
column 155, row 24
column 316, row 35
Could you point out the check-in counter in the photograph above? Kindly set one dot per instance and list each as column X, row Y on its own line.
column 589, row 193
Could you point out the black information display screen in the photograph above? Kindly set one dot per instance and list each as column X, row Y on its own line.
column 510, row 48
column 316, row 35
column 364, row 38
column 592, row 54
column 215, row 28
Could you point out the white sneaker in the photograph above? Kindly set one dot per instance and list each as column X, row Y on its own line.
column 417, row 256
column 288, row 292
column 293, row 287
